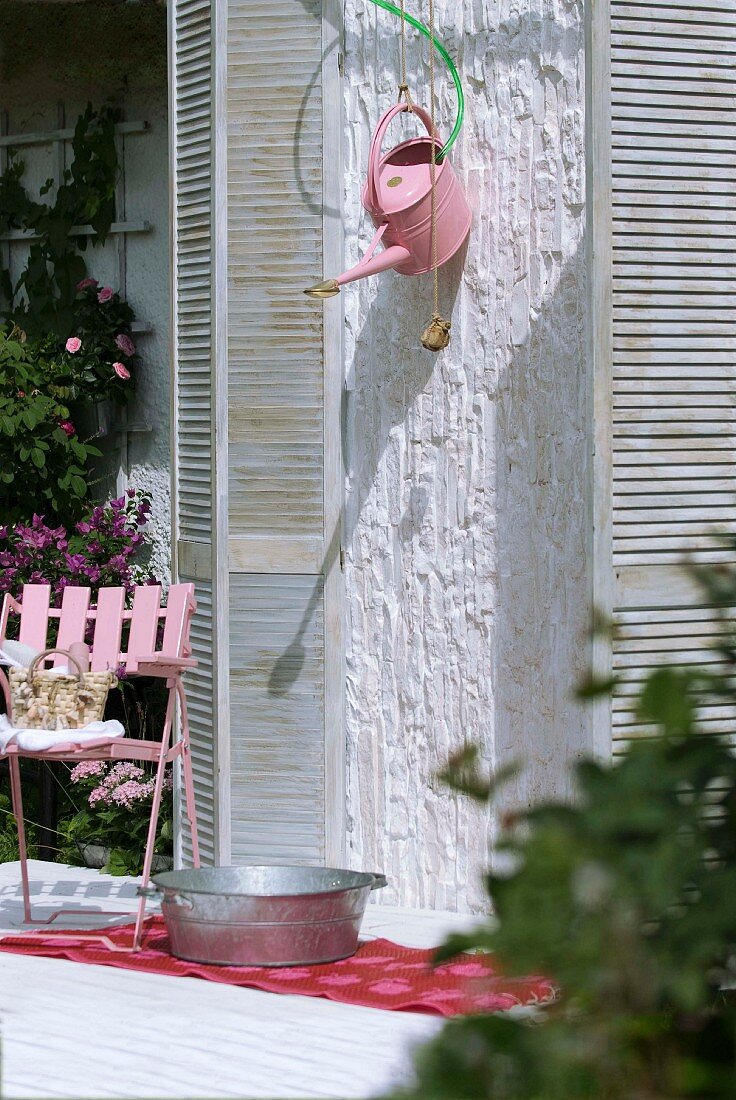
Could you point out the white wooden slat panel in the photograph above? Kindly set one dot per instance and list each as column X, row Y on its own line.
column 646, row 640
column 282, row 473
column 200, row 689
column 275, row 231
column 192, row 167
column 672, row 476
column 277, row 649
column 192, row 175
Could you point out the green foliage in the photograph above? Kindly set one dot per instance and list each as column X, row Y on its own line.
column 43, row 300
column 8, row 831
column 627, row 900
column 43, row 462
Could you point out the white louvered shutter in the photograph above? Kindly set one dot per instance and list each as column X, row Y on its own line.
column 193, row 107
column 284, row 370
column 673, row 236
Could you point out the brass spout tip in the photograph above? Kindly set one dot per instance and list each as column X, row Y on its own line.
column 327, row 289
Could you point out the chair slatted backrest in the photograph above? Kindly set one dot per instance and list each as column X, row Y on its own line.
column 109, row 619
column 73, row 619
column 108, row 629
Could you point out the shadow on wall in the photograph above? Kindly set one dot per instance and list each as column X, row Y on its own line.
column 404, row 375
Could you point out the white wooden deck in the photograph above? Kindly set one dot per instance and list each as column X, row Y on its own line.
column 69, row 1030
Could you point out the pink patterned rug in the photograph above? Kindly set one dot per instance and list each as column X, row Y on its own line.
column 380, row 975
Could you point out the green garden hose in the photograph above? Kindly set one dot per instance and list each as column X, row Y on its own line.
column 450, row 65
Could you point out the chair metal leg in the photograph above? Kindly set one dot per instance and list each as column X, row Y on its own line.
column 17, row 799
column 186, row 763
column 153, row 823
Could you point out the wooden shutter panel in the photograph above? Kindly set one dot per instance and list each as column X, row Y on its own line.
column 666, row 473
column 283, row 118
column 193, row 106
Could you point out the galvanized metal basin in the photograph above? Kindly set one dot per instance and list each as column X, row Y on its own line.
column 263, row 916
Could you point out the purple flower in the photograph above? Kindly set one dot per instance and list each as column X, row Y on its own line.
column 74, row 562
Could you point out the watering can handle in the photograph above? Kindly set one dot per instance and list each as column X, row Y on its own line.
column 374, row 156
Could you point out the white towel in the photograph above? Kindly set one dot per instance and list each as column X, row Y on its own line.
column 30, row 740
column 18, row 655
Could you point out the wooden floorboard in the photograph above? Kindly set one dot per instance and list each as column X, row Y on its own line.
column 79, row 1031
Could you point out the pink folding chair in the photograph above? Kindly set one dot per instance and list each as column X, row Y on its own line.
column 149, row 651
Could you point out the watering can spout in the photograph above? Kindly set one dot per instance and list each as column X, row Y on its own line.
column 370, row 264
column 327, row 289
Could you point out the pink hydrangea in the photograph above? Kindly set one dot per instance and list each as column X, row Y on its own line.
column 73, row 344
column 119, row 773
column 128, row 794
column 125, row 344
column 85, row 284
column 105, row 295
column 121, row 370
column 87, row 769
column 99, row 794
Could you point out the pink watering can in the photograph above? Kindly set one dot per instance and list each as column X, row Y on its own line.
column 398, row 196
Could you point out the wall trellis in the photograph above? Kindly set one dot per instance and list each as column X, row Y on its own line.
column 13, row 241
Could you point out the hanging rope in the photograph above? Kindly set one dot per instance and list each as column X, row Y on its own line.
column 388, row 6
column 403, row 86
column 433, row 169
column 436, row 336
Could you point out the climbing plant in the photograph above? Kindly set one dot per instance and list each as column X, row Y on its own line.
column 42, row 300
column 44, row 465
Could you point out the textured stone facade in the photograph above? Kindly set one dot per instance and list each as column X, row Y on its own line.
column 467, row 573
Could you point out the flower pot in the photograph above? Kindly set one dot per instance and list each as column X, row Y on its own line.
column 96, row 855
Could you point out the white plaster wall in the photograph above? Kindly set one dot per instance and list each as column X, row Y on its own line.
column 467, row 575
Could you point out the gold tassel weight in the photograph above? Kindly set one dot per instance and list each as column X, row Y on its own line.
column 436, row 335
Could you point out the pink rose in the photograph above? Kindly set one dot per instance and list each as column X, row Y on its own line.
column 84, row 284
column 67, row 427
column 125, row 344
column 105, row 295
column 73, row 344
column 122, row 371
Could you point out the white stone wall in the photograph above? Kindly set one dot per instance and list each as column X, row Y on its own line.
column 467, row 568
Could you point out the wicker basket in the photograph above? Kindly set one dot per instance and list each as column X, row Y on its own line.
column 42, row 699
